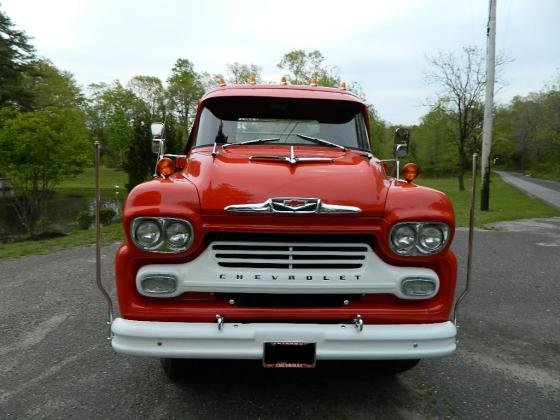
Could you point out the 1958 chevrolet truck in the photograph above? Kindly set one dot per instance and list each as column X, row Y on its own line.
column 279, row 236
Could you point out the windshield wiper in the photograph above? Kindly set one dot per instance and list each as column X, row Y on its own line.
column 320, row 141
column 250, row 142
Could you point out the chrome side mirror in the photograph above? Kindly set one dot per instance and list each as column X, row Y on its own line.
column 401, row 150
column 157, row 129
column 402, row 141
column 158, row 141
column 158, row 146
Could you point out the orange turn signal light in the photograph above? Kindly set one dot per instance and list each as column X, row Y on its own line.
column 165, row 167
column 410, row 171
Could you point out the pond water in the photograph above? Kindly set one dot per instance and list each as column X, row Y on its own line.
column 59, row 215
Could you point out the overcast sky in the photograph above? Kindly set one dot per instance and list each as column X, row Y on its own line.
column 379, row 44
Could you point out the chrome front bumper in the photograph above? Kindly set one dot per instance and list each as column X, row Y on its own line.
column 246, row 341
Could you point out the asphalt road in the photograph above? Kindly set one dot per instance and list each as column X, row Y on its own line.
column 56, row 363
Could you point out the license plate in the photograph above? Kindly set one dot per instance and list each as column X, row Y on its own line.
column 289, row 354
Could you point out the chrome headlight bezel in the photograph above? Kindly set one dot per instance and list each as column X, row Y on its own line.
column 163, row 245
column 419, row 248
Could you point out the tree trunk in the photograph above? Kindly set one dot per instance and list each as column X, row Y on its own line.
column 462, row 166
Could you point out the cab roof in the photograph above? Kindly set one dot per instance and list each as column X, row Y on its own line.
column 282, row 91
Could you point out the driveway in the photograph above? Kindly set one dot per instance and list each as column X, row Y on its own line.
column 56, row 363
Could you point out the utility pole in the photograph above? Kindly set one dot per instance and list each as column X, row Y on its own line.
column 488, row 106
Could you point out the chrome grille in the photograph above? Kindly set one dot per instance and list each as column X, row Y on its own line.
column 282, row 255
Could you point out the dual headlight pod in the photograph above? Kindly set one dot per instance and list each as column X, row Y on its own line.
column 161, row 234
column 418, row 238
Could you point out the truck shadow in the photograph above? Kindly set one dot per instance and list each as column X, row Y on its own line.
column 331, row 390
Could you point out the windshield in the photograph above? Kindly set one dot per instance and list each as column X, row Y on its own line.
column 282, row 122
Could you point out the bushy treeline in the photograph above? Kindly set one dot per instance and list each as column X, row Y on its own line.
column 526, row 137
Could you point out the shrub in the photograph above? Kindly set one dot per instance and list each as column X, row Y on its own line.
column 106, row 216
column 85, row 219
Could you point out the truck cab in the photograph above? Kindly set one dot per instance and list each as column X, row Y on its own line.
column 279, row 236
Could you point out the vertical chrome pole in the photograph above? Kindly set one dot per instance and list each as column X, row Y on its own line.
column 470, row 240
column 98, row 239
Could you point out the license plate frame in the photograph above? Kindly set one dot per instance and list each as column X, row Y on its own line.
column 289, row 354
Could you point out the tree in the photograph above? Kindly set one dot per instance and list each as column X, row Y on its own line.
column 528, row 133
column 307, row 67
column 380, row 144
column 462, row 79
column 209, row 81
column 304, row 67
column 16, row 53
column 140, row 160
column 184, row 90
column 242, row 73
column 39, row 149
column 432, row 145
column 51, row 87
column 111, row 110
column 150, row 90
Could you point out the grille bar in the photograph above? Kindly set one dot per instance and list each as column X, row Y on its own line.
column 251, row 264
column 289, row 255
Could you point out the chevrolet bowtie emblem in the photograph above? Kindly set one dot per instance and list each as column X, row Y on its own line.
column 293, row 205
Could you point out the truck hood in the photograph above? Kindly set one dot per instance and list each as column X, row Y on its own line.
column 232, row 178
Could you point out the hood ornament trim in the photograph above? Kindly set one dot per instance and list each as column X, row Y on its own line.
column 293, row 205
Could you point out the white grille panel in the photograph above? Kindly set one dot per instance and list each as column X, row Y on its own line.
column 287, row 268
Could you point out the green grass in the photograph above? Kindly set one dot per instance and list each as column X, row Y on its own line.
column 83, row 185
column 506, row 202
column 110, row 234
column 86, row 180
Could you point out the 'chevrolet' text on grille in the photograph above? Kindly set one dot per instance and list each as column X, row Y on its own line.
column 309, row 277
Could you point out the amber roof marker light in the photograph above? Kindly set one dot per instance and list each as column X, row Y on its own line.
column 410, row 172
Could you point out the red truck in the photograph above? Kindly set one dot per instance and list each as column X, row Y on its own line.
column 280, row 237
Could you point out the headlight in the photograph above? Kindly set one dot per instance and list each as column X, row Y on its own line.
column 430, row 238
column 403, row 239
column 147, row 234
column 161, row 234
column 178, row 234
column 418, row 238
